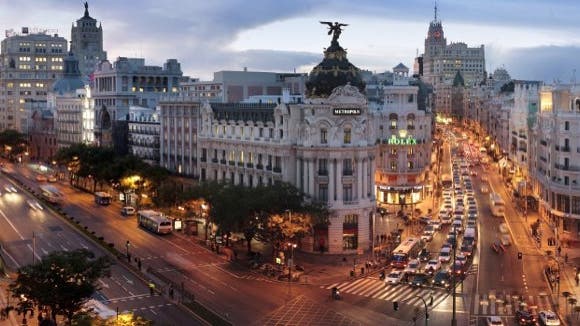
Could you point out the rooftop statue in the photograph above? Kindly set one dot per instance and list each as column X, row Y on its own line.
column 334, row 29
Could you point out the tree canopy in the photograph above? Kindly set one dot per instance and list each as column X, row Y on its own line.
column 62, row 282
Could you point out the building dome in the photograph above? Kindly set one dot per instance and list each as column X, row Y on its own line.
column 71, row 79
column 334, row 70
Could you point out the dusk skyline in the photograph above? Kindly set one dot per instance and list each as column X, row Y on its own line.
column 531, row 39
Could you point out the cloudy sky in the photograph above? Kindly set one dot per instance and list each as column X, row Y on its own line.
column 532, row 39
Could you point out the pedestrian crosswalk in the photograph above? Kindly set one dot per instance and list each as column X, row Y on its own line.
column 505, row 303
column 377, row 289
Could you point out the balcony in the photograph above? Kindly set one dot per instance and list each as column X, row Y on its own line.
column 323, row 172
column 203, row 159
column 522, row 149
column 214, row 160
column 543, row 159
column 350, row 202
column 563, row 167
column 223, row 161
column 277, row 169
column 565, row 149
column 232, row 163
column 241, row 164
column 350, row 226
column 259, row 166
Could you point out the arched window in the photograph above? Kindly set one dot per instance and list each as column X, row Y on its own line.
column 393, row 118
column 410, row 121
column 347, row 136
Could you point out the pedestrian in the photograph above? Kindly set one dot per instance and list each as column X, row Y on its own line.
column 566, row 258
column 559, row 250
column 577, row 279
column 171, row 292
column 139, row 264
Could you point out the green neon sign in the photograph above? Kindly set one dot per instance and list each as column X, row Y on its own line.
column 409, row 140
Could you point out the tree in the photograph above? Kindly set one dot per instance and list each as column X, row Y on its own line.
column 62, row 282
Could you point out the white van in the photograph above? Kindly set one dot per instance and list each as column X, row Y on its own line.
column 469, row 234
column 127, row 210
column 445, row 255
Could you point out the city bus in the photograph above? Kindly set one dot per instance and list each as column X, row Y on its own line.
column 406, row 251
column 154, row 222
column 497, row 205
column 103, row 198
column 51, row 194
column 446, row 181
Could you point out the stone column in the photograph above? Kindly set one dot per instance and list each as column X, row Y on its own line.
column 311, row 178
column 299, row 173
column 364, row 179
column 359, row 179
column 339, row 181
column 372, row 166
column 304, row 175
column 331, row 181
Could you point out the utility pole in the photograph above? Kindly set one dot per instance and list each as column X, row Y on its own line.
column 33, row 248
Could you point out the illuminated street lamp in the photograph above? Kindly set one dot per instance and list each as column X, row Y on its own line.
column 290, row 262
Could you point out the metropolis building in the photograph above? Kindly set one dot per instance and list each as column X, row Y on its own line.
column 87, row 43
column 324, row 146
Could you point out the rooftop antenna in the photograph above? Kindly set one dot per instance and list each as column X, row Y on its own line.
column 574, row 77
column 435, row 10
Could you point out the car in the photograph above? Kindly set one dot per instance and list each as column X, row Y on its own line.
column 471, row 223
column 419, row 280
column 461, row 257
column 34, row 204
column 127, row 210
column 503, row 228
column 446, row 220
column 472, row 212
column 442, row 279
column 427, row 236
column 484, row 189
column 424, row 255
column 436, row 224
column 506, row 239
column 413, row 267
column 484, row 178
column 457, row 225
column 432, row 266
column 40, row 178
column 473, row 173
column 394, row 277
column 10, row 188
column 494, row 321
column 548, row 318
column 458, row 268
column 525, row 318
column 445, row 255
column 52, row 178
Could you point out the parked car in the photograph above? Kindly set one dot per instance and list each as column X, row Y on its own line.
column 436, row 224
column 425, row 219
column 548, row 318
column 52, row 178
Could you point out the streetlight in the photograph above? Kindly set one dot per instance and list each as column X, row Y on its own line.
column 290, row 262
column 396, row 306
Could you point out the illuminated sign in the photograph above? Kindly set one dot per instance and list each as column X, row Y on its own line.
column 338, row 111
column 409, row 140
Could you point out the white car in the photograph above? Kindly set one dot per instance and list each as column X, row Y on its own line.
column 10, row 188
column 548, row 318
column 34, row 204
column 461, row 258
column 446, row 220
column 433, row 266
column 394, row 277
column 413, row 267
column 436, row 224
column 494, row 321
column 484, row 189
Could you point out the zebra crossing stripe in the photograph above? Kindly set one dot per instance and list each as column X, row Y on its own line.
column 368, row 283
column 377, row 287
column 399, row 290
column 383, row 295
column 353, row 284
column 331, row 286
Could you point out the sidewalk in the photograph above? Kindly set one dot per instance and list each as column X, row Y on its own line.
column 566, row 261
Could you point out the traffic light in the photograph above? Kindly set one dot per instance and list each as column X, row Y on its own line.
column 519, row 255
column 396, row 305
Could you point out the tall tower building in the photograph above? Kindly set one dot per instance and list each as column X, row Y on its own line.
column 87, row 43
column 441, row 61
column 30, row 62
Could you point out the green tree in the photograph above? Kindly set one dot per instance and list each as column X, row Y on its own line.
column 63, row 281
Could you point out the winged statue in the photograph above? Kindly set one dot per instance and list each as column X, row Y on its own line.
column 334, row 29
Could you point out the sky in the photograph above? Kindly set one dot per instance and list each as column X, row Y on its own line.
column 532, row 39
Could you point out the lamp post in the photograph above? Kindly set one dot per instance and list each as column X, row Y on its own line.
column 454, row 284
column 396, row 306
column 290, row 262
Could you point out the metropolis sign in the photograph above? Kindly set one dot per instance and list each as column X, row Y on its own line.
column 340, row 111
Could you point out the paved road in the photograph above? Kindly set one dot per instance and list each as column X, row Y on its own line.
column 122, row 290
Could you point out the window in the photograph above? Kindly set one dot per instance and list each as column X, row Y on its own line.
column 281, row 133
column 351, row 219
column 347, row 136
column 323, row 192
column 393, row 124
column 261, row 132
column 323, row 136
column 322, row 166
column 349, row 241
column 566, row 125
column 410, row 98
column 393, row 151
column 347, row 167
column 410, row 165
column 347, row 192
column 393, row 166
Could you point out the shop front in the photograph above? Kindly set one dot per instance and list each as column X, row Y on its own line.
column 400, row 195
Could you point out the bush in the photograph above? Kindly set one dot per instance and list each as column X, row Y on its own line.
column 101, row 238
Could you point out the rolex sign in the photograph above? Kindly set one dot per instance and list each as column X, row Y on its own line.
column 409, row 140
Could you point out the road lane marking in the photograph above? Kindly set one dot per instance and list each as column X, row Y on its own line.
column 34, row 251
column 127, row 279
column 11, row 258
column 12, row 225
column 104, row 284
